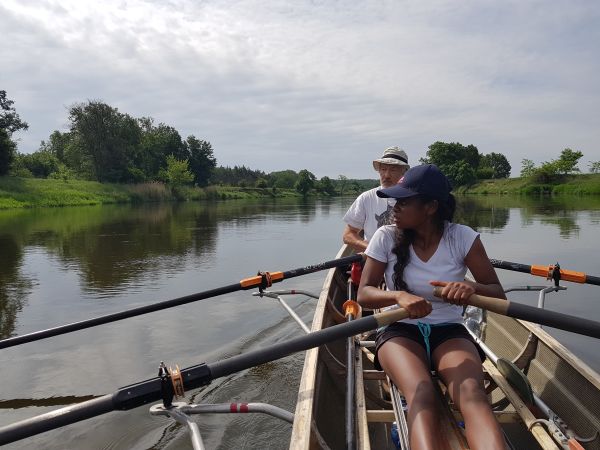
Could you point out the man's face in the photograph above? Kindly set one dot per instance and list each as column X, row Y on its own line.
column 390, row 174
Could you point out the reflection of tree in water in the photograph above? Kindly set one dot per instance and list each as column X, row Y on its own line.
column 245, row 213
column 113, row 246
column 595, row 217
column 13, row 287
column 492, row 212
column 559, row 211
column 481, row 215
column 137, row 243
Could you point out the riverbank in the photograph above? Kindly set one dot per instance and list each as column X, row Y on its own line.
column 18, row 192
column 583, row 184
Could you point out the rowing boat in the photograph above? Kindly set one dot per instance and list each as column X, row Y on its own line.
column 542, row 395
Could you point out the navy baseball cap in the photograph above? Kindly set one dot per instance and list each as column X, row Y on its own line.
column 426, row 179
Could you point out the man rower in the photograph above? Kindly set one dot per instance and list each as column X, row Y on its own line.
column 369, row 212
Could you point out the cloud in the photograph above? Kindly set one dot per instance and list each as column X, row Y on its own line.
column 317, row 85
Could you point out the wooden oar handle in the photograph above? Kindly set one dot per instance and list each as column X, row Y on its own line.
column 390, row 316
column 497, row 305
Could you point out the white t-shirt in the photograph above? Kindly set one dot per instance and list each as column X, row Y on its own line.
column 446, row 264
column 369, row 212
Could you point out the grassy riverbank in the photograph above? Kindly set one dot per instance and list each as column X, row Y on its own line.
column 36, row 192
column 583, row 184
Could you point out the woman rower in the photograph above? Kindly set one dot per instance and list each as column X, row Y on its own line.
column 422, row 250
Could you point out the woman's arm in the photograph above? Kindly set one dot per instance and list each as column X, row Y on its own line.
column 486, row 281
column 371, row 296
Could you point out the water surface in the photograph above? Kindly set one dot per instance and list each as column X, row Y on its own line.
column 69, row 264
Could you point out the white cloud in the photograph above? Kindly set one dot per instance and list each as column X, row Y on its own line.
column 318, row 85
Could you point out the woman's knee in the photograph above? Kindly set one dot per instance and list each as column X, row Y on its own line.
column 471, row 393
column 424, row 395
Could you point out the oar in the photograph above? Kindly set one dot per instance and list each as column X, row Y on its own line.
column 141, row 393
column 547, row 272
column 258, row 281
column 532, row 314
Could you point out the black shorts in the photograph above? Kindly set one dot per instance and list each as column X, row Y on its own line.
column 439, row 334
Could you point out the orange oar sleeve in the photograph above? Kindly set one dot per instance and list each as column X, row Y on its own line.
column 567, row 275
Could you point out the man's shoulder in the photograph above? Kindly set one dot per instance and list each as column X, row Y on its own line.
column 370, row 194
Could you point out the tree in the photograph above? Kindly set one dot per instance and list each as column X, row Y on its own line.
column 325, row 185
column 527, row 167
column 10, row 122
column 284, row 179
column 567, row 162
column 56, row 145
column 443, row 153
column 343, row 182
column 461, row 173
column 9, row 119
column 456, row 161
column 106, row 138
column 261, row 183
column 7, row 151
column 594, row 166
column 546, row 173
column 156, row 143
column 177, row 172
column 202, row 160
column 498, row 163
column 41, row 163
column 306, row 182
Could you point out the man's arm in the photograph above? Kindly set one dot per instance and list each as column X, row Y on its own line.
column 352, row 237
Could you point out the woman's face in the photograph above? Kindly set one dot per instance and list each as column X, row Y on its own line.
column 411, row 212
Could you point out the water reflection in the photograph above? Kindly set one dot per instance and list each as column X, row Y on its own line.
column 112, row 247
column 491, row 213
column 481, row 214
column 60, row 265
column 14, row 287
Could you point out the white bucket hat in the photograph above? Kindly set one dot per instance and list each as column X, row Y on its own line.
column 392, row 155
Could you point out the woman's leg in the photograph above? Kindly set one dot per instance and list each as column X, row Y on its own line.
column 459, row 366
column 405, row 362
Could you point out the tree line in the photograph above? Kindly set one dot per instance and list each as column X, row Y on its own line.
column 464, row 165
column 103, row 144
column 553, row 170
column 106, row 145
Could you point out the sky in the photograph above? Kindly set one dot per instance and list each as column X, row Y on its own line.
column 318, row 85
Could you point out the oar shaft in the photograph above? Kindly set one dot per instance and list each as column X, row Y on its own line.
column 147, row 391
column 544, row 271
column 245, row 284
column 56, row 419
column 532, row 314
column 75, row 326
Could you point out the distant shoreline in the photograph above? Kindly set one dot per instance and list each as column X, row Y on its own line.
column 581, row 184
column 18, row 192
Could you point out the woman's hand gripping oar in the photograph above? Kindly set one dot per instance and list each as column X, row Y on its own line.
column 529, row 313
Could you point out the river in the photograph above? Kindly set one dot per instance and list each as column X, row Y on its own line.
column 68, row 264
